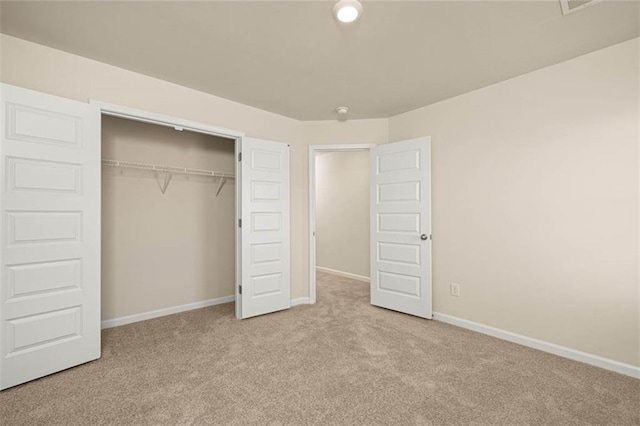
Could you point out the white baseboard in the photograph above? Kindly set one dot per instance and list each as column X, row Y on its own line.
column 115, row 322
column 343, row 274
column 165, row 311
column 607, row 364
column 300, row 301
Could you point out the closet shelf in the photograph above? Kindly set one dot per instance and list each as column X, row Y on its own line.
column 170, row 169
column 167, row 171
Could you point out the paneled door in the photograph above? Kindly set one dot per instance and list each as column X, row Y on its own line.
column 50, row 255
column 401, row 227
column 264, row 282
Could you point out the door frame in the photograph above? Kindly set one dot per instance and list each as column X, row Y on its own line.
column 313, row 150
column 120, row 111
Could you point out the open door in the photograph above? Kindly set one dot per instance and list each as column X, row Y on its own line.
column 50, row 254
column 401, row 226
column 264, row 282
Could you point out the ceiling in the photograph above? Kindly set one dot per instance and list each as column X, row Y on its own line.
column 294, row 59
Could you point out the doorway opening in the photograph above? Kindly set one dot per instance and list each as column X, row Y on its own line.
column 169, row 208
column 168, row 220
column 339, row 212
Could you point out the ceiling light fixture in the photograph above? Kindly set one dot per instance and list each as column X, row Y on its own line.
column 347, row 10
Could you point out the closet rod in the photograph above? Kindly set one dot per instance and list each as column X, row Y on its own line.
column 168, row 169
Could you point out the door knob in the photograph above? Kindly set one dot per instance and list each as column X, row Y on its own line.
column 424, row 237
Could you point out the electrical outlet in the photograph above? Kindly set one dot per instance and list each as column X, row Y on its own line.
column 455, row 289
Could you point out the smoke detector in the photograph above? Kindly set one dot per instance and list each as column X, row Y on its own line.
column 569, row 6
column 342, row 112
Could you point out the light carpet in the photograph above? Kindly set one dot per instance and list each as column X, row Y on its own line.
column 340, row 361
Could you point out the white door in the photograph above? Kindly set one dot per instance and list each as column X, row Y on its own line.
column 264, row 213
column 50, row 255
column 401, row 226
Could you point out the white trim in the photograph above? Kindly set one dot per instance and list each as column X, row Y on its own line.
column 238, row 211
column 349, row 147
column 163, row 120
column 343, row 274
column 300, row 301
column 313, row 149
column 115, row 322
column 552, row 348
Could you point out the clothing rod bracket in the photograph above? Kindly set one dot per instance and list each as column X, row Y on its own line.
column 166, row 178
column 221, row 183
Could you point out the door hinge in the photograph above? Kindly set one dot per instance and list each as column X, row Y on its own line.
column 239, row 223
column 240, row 289
column 239, row 156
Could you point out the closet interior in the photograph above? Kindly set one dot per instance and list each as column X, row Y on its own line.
column 168, row 217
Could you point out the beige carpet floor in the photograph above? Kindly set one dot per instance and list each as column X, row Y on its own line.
column 340, row 361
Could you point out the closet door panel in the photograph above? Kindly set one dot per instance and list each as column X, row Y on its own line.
column 265, row 277
column 50, row 255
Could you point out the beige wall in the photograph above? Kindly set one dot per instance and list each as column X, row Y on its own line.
column 535, row 203
column 59, row 73
column 342, row 211
column 535, row 184
column 165, row 250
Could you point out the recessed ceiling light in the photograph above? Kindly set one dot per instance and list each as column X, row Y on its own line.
column 347, row 10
